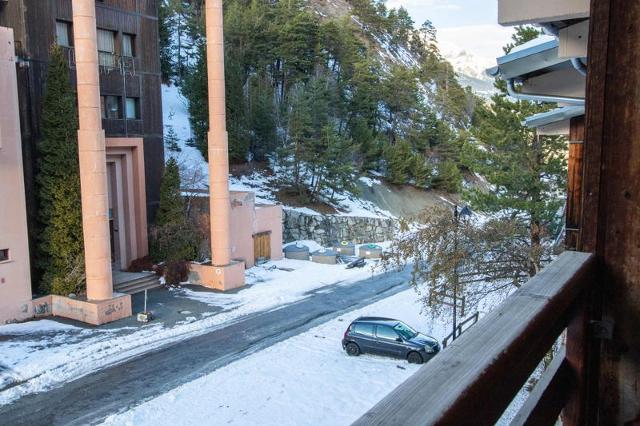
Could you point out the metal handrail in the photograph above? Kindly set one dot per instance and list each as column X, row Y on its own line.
column 473, row 319
column 107, row 62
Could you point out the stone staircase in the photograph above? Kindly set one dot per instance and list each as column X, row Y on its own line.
column 134, row 282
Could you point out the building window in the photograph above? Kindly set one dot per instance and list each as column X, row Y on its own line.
column 107, row 48
column 111, row 107
column 132, row 108
column 4, row 255
column 128, row 46
column 63, row 33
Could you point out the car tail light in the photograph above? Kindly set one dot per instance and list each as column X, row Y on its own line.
column 347, row 332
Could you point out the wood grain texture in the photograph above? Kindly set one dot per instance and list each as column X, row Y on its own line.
column 548, row 397
column 477, row 376
column 611, row 216
column 574, row 183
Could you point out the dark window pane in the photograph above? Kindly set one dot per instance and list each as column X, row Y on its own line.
column 385, row 332
column 127, row 45
column 132, row 109
column 62, row 34
column 364, row 329
column 113, row 108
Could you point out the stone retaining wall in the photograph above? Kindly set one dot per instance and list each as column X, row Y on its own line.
column 327, row 230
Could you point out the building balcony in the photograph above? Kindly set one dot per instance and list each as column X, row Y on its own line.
column 108, row 62
column 478, row 375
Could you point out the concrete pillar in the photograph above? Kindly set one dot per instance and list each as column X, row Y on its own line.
column 91, row 147
column 219, row 201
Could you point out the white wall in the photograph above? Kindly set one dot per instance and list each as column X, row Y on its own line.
column 15, row 279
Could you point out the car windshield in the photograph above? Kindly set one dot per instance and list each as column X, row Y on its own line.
column 405, row 331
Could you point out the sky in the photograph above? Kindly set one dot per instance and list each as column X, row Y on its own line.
column 463, row 25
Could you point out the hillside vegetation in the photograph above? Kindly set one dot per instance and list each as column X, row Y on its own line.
column 325, row 91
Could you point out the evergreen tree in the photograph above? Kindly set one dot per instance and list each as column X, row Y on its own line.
column 60, row 248
column 165, row 26
column 171, row 140
column 526, row 170
column 420, row 171
column 171, row 207
column 338, row 174
column 399, row 161
column 174, row 238
column 448, row 177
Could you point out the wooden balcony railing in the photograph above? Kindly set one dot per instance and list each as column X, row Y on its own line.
column 477, row 376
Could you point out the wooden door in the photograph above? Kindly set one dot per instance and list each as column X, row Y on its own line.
column 262, row 246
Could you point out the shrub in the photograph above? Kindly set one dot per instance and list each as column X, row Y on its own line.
column 176, row 272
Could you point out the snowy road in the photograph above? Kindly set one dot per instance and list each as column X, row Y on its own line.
column 114, row 389
column 305, row 380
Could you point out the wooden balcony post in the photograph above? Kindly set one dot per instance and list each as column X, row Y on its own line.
column 574, row 182
column 611, row 203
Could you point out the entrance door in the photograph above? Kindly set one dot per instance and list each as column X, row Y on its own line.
column 262, row 246
column 117, row 227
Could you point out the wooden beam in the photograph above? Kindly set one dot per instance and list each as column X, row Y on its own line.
column 547, row 399
column 611, row 214
column 574, row 183
column 479, row 374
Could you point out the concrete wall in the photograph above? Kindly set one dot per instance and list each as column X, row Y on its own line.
column 269, row 218
column 248, row 219
column 91, row 312
column 327, row 230
column 242, row 218
column 15, row 279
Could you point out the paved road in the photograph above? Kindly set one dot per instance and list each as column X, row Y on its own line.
column 90, row 399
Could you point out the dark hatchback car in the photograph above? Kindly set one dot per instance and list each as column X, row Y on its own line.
column 390, row 337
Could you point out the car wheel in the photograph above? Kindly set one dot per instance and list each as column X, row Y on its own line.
column 353, row 349
column 414, row 358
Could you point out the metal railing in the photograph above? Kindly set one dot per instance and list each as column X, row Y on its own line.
column 461, row 328
column 478, row 376
column 107, row 62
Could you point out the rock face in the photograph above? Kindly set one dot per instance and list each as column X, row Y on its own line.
column 328, row 229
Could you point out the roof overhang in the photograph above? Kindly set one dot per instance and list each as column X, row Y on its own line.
column 519, row 12
column 554, row 122
column 540, row 70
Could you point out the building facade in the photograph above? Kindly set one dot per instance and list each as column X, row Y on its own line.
column 130, row 103
column 15, row 280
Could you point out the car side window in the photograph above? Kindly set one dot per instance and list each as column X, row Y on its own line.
column 385, row 332
column 363, row 329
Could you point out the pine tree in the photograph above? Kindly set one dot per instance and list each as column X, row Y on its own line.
column 60, row 246
column 165, row 26
column 174, row 238
column 171, row 140
column 448, row 177
column 420, row 171
column 398, row 158
column 526, row 170
column 338, row 173
column 171, row 207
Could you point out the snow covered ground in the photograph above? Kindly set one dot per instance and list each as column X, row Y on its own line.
column 39, row 355
column 305, row 380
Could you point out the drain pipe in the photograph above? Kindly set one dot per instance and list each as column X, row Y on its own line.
column 549, row 29
column 579, row 66
column 577, row 63
column 511, row 90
